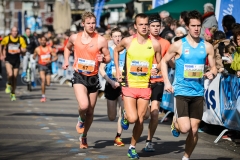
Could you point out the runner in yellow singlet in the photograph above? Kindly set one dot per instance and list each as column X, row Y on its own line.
column 136, row 90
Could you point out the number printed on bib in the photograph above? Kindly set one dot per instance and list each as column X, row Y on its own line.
column 13, row 48
column 193, row 71
column 85, row 65
column 139, row 68
column 45, row 58
column 159, row 75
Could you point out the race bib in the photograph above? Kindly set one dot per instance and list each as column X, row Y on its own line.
column 45, row 58
column 159, row 75
column 193, row 71
column 13, row 48
column 86, row 65
column 139, row 68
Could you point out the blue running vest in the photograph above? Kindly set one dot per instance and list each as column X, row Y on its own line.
column 110, row 67
column 189, row 70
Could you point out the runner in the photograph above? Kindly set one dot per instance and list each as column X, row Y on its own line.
column 31, row 46
column 190, row 56
column 46, row 56
column 87, row 48
column 14, row 45
column 136, row 90
column 157, row 85
column 112, row 88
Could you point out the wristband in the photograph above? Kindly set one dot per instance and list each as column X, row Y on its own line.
column 157, row 70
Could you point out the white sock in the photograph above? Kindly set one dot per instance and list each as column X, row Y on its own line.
column 43, row 95
column 185, row 158
column 131, row 146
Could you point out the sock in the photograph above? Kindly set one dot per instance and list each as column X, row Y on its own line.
column 84, row 135
column 148, row 141
column 43, row 96
column 118, row 135
column 131, row 146
column 80, row 119
column 185, row 158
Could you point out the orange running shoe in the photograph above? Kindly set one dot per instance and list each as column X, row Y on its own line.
column 83, row 143
column 43, row 99
column 118, row 142
column 80, row 127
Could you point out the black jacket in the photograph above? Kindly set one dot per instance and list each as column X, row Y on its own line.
column 31, row 42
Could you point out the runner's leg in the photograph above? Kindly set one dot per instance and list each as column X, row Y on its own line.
column 25, row 63
column 48, row 79
column 154, row 119
column 9, row 70
column 14, row 81
column 121, row 106
column 112, row 109
column 43, row 80
column 90, row 111
column 142, row 105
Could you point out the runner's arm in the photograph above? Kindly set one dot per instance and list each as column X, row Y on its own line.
column 68, row 47
column 120, row 47
column 212, row 62
column 35, row 53
column 23, row 45
column 104, row 50
column 104, row 74
column 158, row 54
column 54, row 55
column 172, row 51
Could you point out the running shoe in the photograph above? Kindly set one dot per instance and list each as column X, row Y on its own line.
column 149, row 147
column 43, row 99
column 118, row 142
column 23, row 74
column 8, row 88
column 124, row 122
column 13, row 97
column 80, row 127
column 174, row 131
column 83, row 143
column 34, row 84
column 132, row 154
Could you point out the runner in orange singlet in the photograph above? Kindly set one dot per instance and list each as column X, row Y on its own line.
column 46, row 56
column 88, row 47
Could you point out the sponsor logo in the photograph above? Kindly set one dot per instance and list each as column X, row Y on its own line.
column 186, row 51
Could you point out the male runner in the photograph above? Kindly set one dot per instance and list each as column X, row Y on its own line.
column 87, row 48
column 157, row 85
column 190, row 53
column 46, row 56
column 136, row 90
column 31, row 46
column 14, row 45
column 112, row 88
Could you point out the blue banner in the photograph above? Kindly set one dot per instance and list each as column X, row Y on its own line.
column 156, row 3
column 98, row 10
column 230, row 101
column 227, row 7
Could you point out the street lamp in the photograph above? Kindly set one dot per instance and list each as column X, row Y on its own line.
column 35, row 9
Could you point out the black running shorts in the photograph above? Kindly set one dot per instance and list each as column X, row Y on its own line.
column 90, row 82
column 157, row 91
column 110, row 93
column 189, row 106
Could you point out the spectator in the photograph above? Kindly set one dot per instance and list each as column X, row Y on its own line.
column 209, row 19
column 182, row 17
column 163, row 15
column 208, row 35
column 131, row 29
column 219, row 44
column 174, row 25
column 236, row 60
column 227, row 23
column 167, row 23
column 180, row 31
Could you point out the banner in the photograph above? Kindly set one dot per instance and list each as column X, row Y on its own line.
column 230, row 101
column 211, row 109
column 168, row 98
column 35, row 25
column 227, row 7
column 98, row 10
column 156, row 3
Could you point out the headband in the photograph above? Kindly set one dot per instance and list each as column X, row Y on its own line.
column 154, row 20
column 208, row 32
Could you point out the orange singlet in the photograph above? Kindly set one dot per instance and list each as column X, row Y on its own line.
column 86, row 61
column 44, row 56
